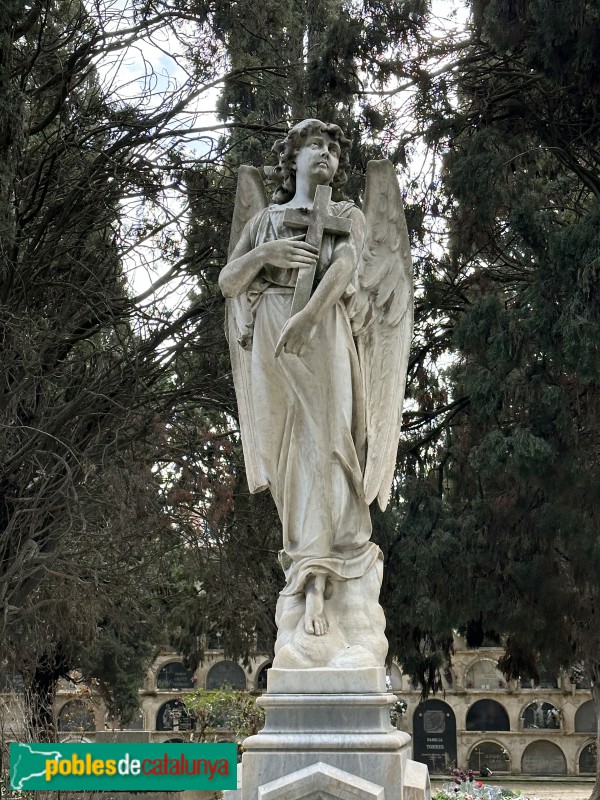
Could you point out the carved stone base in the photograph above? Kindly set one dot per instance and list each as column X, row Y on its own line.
column 356, row 635
column 319, row 743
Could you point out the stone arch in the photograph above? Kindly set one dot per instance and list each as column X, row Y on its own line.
column 226, row 673
column 76, row 715
column 490, row 754
column 394, row 675
column 173, row 677
column 544, row 680
column 586, row 760
column 174, row 716
column 434, row 736
column 585, row 718
column 261, row 676
column 75, row 738
column 543, row 758
column 541, row 715
column 11, row 681
column 484, row 674
column 487, row 715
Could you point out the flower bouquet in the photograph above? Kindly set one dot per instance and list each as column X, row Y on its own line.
column 466, row 787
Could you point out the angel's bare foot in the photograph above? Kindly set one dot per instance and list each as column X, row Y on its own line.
column 315, row 620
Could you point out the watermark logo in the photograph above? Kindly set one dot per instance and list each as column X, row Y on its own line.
column 123, row 767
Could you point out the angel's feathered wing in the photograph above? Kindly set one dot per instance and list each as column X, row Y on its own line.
column 250, row 198
column 382, row 322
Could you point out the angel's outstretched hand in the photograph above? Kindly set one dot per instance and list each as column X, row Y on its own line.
column 289, row 253
column 296, row 333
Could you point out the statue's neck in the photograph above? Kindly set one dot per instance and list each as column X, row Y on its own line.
column 305, row 194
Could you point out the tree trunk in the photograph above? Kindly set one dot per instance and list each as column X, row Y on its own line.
column 40, row 694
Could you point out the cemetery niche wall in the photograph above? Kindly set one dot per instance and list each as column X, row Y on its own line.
column 497, row 725
column 503, row 751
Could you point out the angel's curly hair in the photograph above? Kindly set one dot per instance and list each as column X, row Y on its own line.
column 284, row 174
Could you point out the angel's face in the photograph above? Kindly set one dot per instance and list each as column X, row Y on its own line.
column 318, row 158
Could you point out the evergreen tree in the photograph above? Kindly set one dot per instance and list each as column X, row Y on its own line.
column 519, row 469
column 88, row 369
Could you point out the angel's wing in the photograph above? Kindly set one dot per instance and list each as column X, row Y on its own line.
column 250, row 198
column 382, row 320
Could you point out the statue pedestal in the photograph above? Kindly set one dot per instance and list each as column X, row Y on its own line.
column 328, row 736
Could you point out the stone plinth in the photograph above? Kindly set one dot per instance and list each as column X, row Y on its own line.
column 328, row 735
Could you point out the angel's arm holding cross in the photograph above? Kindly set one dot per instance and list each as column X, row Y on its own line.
column 246, row 262
column 300, row 328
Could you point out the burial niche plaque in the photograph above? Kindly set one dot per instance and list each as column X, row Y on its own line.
column 434, row 735
column 491, row 755
column 76, row 715
column 587, row 759
column 226, row 674
column 543, row 758
column 174, row 677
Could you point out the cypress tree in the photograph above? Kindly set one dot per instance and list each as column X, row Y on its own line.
column 520, row 468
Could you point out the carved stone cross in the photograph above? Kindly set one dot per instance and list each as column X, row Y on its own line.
column 317, row 222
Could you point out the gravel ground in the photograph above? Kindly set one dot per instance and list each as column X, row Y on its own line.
column 542, row 790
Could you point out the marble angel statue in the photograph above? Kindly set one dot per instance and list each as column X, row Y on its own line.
column 319, row 321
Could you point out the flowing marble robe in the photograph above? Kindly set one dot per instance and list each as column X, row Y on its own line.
column 310, row 421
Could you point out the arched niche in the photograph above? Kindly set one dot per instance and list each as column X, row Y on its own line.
column 226, row 674
column 579, row 678
column 491, row 755
column 74, row 738
column 11, row 681
column 213, row 640
column 587, row 759
column 393, row 678
column 544, row 680
column 174, row 677
column 585, row 718
column 261, row 677
column 485, row 675
column 541, row 715
column 174, row 716
column 76, row 715
column 434, row 735
column 487, row 715
column 543, row 758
